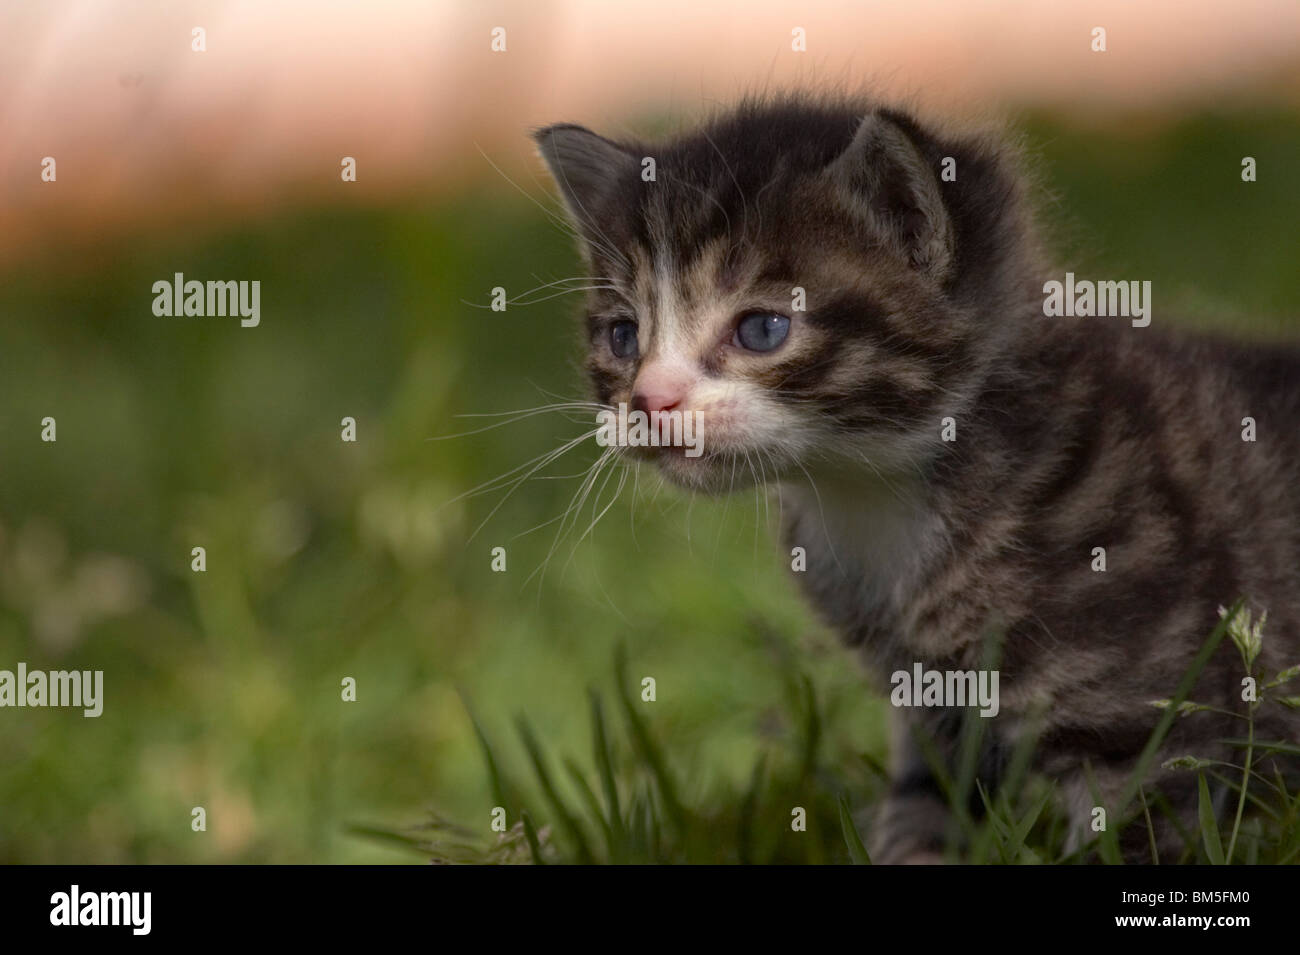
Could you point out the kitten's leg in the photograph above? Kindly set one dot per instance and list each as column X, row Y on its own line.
column 1174, row 821
column 1173, row 801
column 911, row 824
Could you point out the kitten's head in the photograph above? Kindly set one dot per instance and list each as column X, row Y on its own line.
column 809, row 278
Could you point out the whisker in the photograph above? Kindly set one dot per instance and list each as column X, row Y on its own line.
column 569, row 516
column 547, row 459
column 825, row 529
column 596, row 519
column 557, row 219
column 582, row 213
column 519, row 416
column 744, row 227
column 545, row 298
column 631, row 511
column 500, row 479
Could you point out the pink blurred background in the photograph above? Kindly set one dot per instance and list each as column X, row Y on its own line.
column 149, row 134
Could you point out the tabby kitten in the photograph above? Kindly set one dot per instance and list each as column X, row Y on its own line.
column 923, row 313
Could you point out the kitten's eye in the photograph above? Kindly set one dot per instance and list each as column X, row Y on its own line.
column 762, row 331
column 622, row 339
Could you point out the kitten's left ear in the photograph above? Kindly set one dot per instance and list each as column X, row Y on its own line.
column 884, row 177
column 589, row 170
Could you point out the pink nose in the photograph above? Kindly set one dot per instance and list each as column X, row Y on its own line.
column 659, row 388
column 655, row 401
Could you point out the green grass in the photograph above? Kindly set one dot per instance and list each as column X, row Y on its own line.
column 788, row 812
column 328, row 560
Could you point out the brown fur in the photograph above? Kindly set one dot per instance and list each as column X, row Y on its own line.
column 925, row 302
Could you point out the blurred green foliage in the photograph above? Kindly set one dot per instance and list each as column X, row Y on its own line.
column 328, row 559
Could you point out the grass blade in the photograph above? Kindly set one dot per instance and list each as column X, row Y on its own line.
column 748, row 811
column 1151, row 829
column 1209, row 825
column 1171, row 711
column 530, row 833
column 646, row 747
column 857, row 851
column 1108, row 839
column 1016, row 840
column 605, row 767
column 502, row 791
column 593, row 802
column 812, row 728
column 562, row 813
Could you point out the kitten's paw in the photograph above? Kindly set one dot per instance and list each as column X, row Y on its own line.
column 905, row 856
column 909, row 831
column 922, row 857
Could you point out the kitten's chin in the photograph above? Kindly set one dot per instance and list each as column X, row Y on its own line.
column 711, row 473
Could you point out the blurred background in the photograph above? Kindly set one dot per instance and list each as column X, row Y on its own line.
column 328, row 559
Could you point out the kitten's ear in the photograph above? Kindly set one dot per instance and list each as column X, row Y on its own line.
column 884, row 177
column 589, row 170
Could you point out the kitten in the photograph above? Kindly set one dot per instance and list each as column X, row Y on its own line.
column 924, row 312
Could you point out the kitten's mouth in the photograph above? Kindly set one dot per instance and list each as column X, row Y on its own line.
column 676, row 455
column 714, row 472
column 684, row 458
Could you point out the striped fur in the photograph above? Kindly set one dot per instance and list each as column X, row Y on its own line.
column 924, row 302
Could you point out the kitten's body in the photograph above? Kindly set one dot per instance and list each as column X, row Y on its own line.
column 923, row 303
column 1088, row 438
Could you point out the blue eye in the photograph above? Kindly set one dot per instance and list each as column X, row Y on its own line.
column 622, row 339
column 762, row 331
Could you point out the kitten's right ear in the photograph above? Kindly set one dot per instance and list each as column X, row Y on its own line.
column 885, row 178
column 589, row 170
